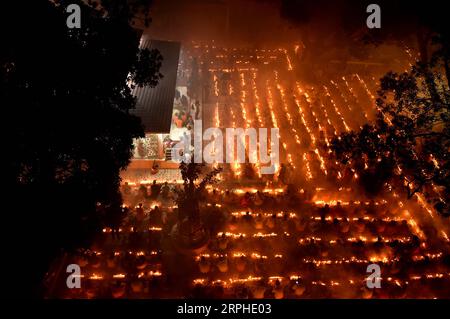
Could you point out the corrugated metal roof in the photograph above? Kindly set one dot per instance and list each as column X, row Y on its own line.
column 154, row 105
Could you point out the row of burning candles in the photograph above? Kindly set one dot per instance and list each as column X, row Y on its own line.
column 138, row 253
column 327, row 217
column 321, row 262
column 255, row 255
column 141, row 275
column 307, row 240
column 296, row 277
column 301, row 113
column 244, row 105
column 290, row 215
column 300, row 92
column 273, row 279
column 411, row 221
column 327, row 92
column 272, row 234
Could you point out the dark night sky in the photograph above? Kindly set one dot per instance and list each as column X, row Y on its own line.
column 237, row 21
column 264, row 21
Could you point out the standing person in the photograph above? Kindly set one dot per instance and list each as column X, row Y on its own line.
column 115, row 218
column 126, row 189
column 323, row 212
column 282, row 174
column 197, row 110
column 193, row 111
column 155, row 189
column 140, row 216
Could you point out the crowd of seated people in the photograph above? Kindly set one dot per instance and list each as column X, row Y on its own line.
column 263, row 244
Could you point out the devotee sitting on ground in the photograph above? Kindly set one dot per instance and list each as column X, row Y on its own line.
column 298, row 288
column 258, row 290
column 111, row 261
column 215, row 197
column 143, row 192
column 222, row 264
column 241, row 263
column 126, row 189
column 247, row 217
column 259, row 199
column 278, row 290
column 271, row 222
column 204, row 265
column 246, row 201
column 232, row 225
column 259, row 222
column 223, row 242
column 165, row 191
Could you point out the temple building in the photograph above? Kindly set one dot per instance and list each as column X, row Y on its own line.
column 167, row 112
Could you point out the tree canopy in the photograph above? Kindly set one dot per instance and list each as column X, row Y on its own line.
column 66, row 97
column 195, row 181
column 409, row 144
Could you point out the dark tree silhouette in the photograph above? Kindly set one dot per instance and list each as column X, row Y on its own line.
column 190, row 233
column 64, row 93
column 410, row 141
column 416, row 103
column 189, row 197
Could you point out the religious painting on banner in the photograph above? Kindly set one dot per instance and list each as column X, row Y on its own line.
column 147, row 147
